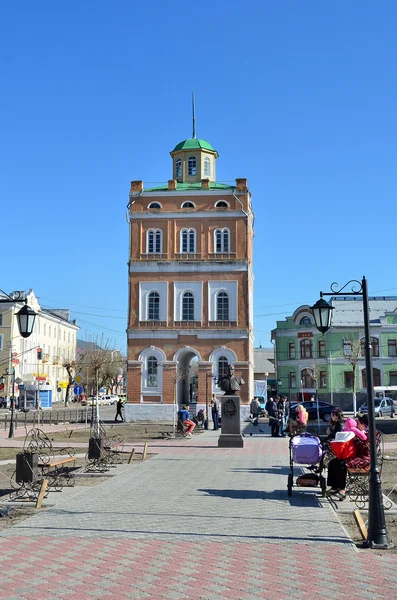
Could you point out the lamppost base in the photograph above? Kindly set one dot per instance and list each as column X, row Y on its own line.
column 383, row 546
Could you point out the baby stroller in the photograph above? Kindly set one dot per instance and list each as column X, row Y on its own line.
column 307, row 449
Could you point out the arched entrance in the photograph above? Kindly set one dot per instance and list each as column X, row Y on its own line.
column 187, row 360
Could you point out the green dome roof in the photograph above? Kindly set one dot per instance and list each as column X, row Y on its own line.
column 193, row 144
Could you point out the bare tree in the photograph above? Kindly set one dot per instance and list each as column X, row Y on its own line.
column 351, row 350
column 70, row 367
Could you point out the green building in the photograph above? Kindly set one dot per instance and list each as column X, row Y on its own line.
column 332, row 366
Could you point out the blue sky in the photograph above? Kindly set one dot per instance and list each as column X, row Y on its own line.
column 300, row 97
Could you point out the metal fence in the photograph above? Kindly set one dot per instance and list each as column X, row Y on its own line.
column 51, row 417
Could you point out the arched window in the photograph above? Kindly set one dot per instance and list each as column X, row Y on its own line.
column 222, row 240
column 192, row 165
column 152, row 372
column 207, row 167
column 307, row 378
column 305, row 321
column 375, row 375
column 221, row 204
column 154, row 241
column 222, row 367
column 188, row 205
column 306, row 347
column 222, row 307
column 154, row 205
column 154, row 307
column 188, row 307
column 178, row 167
column 188, row 240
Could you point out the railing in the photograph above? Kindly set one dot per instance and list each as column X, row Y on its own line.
column 154, row 256
column 153, row 323
column 188, row 256
column 188, row 324
column 50, row 417
column 222, row 323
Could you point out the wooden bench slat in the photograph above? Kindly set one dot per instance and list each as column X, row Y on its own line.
column 58, row 462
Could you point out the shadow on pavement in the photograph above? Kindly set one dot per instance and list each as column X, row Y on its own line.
column 301, row 499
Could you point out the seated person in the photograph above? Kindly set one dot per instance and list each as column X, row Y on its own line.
column 200, row 418
column 337, row 469
column 298, row 425
column 184, row 416
column 336, row 424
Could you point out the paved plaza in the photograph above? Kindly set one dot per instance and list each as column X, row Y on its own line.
column 195, row 521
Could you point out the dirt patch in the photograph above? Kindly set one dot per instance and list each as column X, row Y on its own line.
column 350, row 524
column 10, row 515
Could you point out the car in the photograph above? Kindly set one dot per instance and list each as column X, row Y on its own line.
column 383, row 407
column 324, row 408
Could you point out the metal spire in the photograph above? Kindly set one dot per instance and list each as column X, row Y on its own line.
column 194, row 116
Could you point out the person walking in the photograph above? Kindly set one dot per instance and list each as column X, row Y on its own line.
column 119, row 406
column 274, row 417
column 215, row 412
column 283, row 409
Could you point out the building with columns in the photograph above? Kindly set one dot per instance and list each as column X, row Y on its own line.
column 190, row 286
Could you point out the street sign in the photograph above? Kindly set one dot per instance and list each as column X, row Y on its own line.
column 102, row 391
column 21, row 387
column 63, row 384
column 78, row 379
column 18, row 380
column 78, row 390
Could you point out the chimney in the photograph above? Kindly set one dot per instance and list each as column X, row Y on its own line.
column 205, row 184
column 172, row 184
column 136, row 186
column 241, row 184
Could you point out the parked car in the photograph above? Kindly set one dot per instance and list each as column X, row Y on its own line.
column 383, row 407
column 324, row 408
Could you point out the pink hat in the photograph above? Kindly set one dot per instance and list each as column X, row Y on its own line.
column 350, row 424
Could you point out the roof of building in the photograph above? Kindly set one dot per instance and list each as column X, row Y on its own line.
column 263, row 360
column 87, row 345
column 349, row 311
column 190, row 186
column 193, row 144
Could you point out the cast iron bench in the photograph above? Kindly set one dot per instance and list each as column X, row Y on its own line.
column 39, row 460
column 357, row 482
column 104, row 452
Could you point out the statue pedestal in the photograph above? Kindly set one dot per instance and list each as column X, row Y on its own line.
column 230, row 424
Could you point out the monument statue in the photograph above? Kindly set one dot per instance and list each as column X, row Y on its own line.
column 229, row 383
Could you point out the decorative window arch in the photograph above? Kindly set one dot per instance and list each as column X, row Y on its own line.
column 188, row 204
column 152, row 369
column 154, row 241
column 221, row 204
column 188, row 241
column 306, row 320
column 192, row 165
column 178, row 167
column 306, row 348
column 153, row 306
column 222, row 306
column 307, row 378
column 155, row 205
column 222, row 240
column 188, row 306
column 207, row 167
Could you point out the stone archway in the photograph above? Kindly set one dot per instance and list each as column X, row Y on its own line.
column 187, row 360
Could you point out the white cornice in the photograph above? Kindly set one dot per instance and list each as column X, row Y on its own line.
column 201, row 334
column 200, row 214
column 182, row 193
column 180, row 266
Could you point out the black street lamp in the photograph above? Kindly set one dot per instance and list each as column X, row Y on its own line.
column 322, row 311
column 26, row 318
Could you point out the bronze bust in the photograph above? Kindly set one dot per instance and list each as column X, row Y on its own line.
column 229, row 383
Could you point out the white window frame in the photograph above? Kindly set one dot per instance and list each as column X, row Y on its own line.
column 155, row 207
column 188, row 202
column 224, row 232
column 184, row 295
column 158, row 307
column 145, row 288
column 157, row 233
column 231, row 288
column 178, row 167
column 219, row 202
column 196, row 288
column 217, row 306
column 1, row 341
column 144, row 357
column 192, row 166
column 191, row 248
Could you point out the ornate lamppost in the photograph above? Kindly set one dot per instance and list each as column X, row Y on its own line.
column 26, row 318
column 322, row 312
